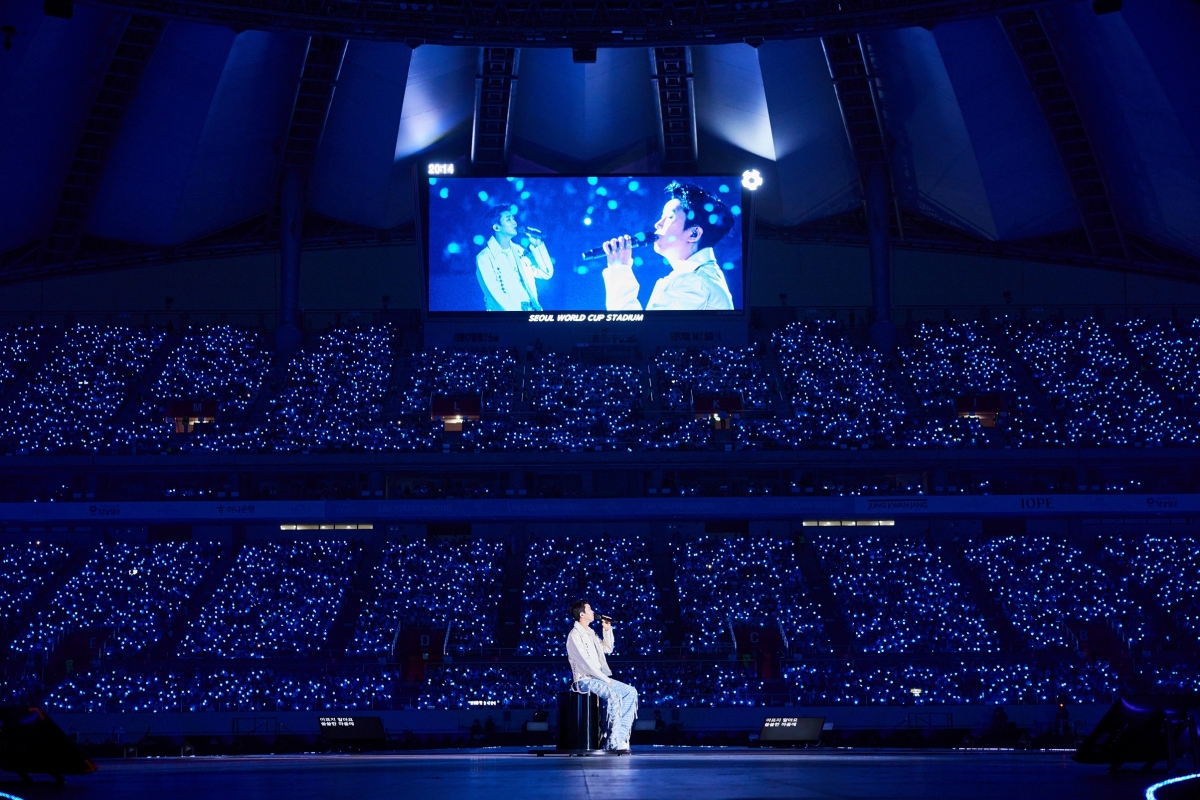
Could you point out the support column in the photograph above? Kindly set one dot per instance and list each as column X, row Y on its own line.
column 291, row 219
column 314, row 94
column 878, row 209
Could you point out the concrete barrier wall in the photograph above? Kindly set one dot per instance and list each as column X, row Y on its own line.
column 132, row 726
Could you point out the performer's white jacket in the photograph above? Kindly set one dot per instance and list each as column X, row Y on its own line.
column 509, row 277
column 585, row 651
column 695, row 284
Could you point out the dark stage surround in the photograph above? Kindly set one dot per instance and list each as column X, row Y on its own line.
column 574, row 214
column 662, row 773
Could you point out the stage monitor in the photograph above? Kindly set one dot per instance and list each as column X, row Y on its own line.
column 792, row 730
column 351, row 728
column 1143, row 729
column 531, row 248
column 30, row 742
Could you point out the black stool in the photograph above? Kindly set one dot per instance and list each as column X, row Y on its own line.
column 578, row 722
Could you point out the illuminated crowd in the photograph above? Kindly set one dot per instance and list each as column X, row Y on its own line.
column 722, row 579
column 1046, row 585
column 25, row 572
column 70, row 402
column 900, row 595
column 432, row 584
column 110, row 389
column 174, row 626
column 278, row 600
column 126, row 596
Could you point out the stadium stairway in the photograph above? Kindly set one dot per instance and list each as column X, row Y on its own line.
column 195, row 604
column 662, row 572
column 259, row 412
column 778, row 405
column 50, row 341
column 837, row 628
column 1030, row 386
column 367, row 558
column 1148, row 374
column 512, row 581
column 75, row 561
column 140, row 391
column 975, row 591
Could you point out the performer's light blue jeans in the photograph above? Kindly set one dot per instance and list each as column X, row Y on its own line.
column 620, row 702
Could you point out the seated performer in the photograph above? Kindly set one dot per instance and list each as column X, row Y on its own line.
column 590, row 671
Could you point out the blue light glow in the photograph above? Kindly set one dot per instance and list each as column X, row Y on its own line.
column 453, row 248
column 633, row 186
column 593, row 181
column 735, row 210
column 722, row 188
column 483, row 195
column 524, row 195
column 1150, row 793
column 709, row 206
column 587, row 220
column 728, row 265
column 712, row 219
column 433, row 181
column 444, row 193
column 612, row 205
column 479, row 239
column 602, row 191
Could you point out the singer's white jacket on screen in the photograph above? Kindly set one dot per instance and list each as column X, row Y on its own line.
column 509, row 277
column 695, row 284
column 585, row 651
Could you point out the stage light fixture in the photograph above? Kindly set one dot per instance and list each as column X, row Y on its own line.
column 752, row 179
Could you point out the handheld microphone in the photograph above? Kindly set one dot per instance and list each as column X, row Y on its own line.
column 639, row 240
column 605, row 618
column 533, row 233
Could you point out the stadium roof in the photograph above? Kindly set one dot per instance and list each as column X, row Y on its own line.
column 159, row 134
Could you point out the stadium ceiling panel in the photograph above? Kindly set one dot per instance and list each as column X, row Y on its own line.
column 48, row 81
column 815, row 175
column 199, row 147
column 1149, row 150
column 356, row 176
column 933, row 164
column 570, row 117
column 1027, row 188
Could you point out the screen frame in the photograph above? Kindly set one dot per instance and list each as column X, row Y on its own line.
column 745, row 221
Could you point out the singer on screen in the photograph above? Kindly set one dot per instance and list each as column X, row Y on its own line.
column 507, row 272
column 692, row 222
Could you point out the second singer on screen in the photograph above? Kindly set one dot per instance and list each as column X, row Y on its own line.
column 507, row 272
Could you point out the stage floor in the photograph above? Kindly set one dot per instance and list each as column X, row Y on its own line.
column 658, row 773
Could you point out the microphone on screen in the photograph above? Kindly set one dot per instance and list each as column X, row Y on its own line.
column 639, row 240
column 533, row 233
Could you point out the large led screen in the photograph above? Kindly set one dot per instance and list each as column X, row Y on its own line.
column 536, row 244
